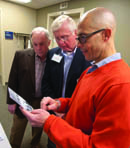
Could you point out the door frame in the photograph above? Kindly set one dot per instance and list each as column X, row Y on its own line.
column 51, row 16
column 1, row 47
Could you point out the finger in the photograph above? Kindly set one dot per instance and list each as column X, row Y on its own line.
column 36, row 111
column 53, row 106
column 25, row 112
column 43, row 106
column 46, row 100
column 44, row 103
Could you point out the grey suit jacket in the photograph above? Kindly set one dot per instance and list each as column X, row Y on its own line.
column 22, row 77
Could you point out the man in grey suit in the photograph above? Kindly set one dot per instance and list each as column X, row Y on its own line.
column 25, row 79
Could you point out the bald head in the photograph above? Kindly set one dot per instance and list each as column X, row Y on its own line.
column 98, row 18
column 96, row 31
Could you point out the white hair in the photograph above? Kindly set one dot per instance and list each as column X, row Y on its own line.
column 57, row 23
column 40, row 29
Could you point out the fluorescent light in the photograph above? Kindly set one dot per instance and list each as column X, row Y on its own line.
column 22, row 1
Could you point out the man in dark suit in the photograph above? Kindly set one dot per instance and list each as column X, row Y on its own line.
column 25, row 79
column 65, row 63
column 52, row 82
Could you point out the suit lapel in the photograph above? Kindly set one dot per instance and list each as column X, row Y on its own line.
column 31, row 63
column 59, row 67
column 74, row 66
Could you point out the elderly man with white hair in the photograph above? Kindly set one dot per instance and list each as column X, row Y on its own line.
column 25, row 79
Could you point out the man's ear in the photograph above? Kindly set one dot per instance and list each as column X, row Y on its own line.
column 106, row 34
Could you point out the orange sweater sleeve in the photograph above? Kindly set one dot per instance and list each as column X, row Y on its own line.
column 64, row 105
column 111, row 125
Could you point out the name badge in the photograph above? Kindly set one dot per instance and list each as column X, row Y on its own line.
column 56, row 58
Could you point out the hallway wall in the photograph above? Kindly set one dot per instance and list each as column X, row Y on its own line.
column 18, row 19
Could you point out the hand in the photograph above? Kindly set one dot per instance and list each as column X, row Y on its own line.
column 12, row 108
column 48, row 103
column 37, row 117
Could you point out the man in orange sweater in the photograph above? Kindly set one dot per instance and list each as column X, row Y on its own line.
column 98, row 113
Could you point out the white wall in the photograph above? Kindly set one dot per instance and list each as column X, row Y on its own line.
column 17, row 19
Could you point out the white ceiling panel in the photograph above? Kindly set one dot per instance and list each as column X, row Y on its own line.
column 37, row 4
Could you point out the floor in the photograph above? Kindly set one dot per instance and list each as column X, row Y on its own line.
column 6, row 121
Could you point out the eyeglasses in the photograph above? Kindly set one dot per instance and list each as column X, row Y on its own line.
column 82, row 38
column 63, row 38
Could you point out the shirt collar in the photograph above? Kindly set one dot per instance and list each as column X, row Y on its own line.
column 38, row 58
column 69, row 53
column 114, row 57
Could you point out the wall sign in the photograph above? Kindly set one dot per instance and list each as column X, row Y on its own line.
column 8, row 35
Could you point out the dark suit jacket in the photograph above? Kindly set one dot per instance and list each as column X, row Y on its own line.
column 22, row 77
column 52, row 82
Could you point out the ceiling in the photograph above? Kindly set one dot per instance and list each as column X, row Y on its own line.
column 37, row 4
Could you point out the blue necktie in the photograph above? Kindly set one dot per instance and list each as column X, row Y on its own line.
column 94, row 67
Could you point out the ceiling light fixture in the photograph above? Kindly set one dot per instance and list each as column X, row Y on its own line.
column 21, row 1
